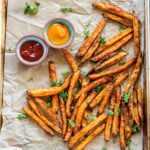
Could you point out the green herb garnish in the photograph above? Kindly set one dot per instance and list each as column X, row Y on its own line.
column 86, row 135
column 70, row 122
column 65, row 8
column 66, row 73
column 118, row 111
column 83, row 74
column 60, row 83
column 61, row 99
column 64, row 94
column 110, row 113
column 122, row 27
column 121, row 134
column 89, row 118
column 89, row 23
column 98, row 88
column 54, row 83
column 121, row 63
column 106, row 75
column 104, row 148
column 126, row 97
column 10, row 49
column 112, row 107
column 71, row 49
column 87, row 102
column 30, row 79
column 71, row 108
column 86, row 32
column 128, row 143
column 102, row 42
column 95, row 81
column 22, row 116
column 123, row 49
column 134, row 129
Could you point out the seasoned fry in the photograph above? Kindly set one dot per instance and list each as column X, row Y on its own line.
column 111, row 61
column 71, row 60
column 81, row 111
column 117, row 19
column 135, row 73
column 91, row 50
column 87, row 43
column 113, row 40
column 53, row 78
column 48, row 110
column 136, row 34
column 38, row 120
column 115, row 126
column 63, row 115
column 105, row 100
column 114, row 70
column 140, row 104
column 85, row 130
column 90, row 137
column 110, row 118
column 113, row 48
column 37, row 111
column 73, row 83
column 120, row 78
column 113, row 9
column 122, row 133
column 49, row 91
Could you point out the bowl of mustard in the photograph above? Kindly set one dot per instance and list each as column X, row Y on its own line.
column 59, row 33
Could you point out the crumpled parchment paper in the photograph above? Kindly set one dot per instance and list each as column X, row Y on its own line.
column 26, row 134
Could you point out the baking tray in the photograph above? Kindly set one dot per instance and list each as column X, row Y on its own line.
column 146, row 63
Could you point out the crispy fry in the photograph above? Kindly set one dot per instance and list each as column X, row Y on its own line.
column 115, row 126
column 105, row 99
column 73, row 83
column 122, row 133
column 81, row 111
column 49, row 91
column 135, row 73
column 120, row 78
column 38, row 120
column 110, row 118
column 91, row 50
column 71, row 60
column 87, row 43
column 113, row 40
column 140, row 104
column 48, row 110
column 37, row 111
column 114, row 70
column 90, row 137
column 85, row 130
column 117, row 19
column 53, row 77
column 111, row 61
column 113, row 48
column 63, row 115
column 136, row 34
column 113, row 9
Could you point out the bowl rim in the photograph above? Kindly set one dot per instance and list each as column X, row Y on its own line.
column 27, row 62
column 56, row 47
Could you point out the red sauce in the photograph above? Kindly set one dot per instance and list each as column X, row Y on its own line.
column 31, row 51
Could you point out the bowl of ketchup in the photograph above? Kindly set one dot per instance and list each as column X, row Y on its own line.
column 58, row 33
column 31, row 50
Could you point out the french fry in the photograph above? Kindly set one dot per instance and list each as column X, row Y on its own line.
column 115, row 126
column 113, row 9
column 42, row 104
column 136, row 34
column 113, row 48
column 71, row 60
column 111, row 61
column 105, row 99
column 63, row 115
column 113, row 40
column 81, row 111
column 37, row 111
column 85, row 130
column 38, row 120
column 122, row 133
column 49, row 91
column 101, row 61
column 87, row 43
column 53, row 78
column 117, row 19
column 135, row 73
column 73, row 83
column 91, row 50
column 114, row 70
column 120, row 78
column 110, row 118
column 90, row 137
column 99, row 97
column 140, row 104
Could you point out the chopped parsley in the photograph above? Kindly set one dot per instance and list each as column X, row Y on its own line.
column 122, row 27
column 30, row 79
column 118, row 111
column 104, row 148
column 112, row 107
column 60, row 83
column 98, row 88
column 89, row 23
column 76, row 33
column 87, row 102
column 65, row 8
column 83, row 74
column 95, row 81
column 54, row 83
column 61, row 99
column 126, row 97
column 10, row 49
column 86, row 32
column 110, row 112
column 86, row 135
column 71, row 49
column 49, row 102
column 22, row 116
column 102, row 42
column 71, row 108
column 128, row 143
column 106, row 75
column 121, row 134
column 64, row 94
column 134, row 129
column 89, row 118
column 121, row 63
column 123, row 49
column 66, row 73
column 70, row 122
column 77, row 88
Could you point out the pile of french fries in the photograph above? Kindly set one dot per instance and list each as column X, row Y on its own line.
column 125, row 110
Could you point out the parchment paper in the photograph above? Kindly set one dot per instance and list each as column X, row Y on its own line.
column 26, row 134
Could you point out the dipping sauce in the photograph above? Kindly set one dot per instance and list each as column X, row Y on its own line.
column 58, row 34
column 31, row 51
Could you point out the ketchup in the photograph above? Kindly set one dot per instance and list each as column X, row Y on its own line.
column 31, row 51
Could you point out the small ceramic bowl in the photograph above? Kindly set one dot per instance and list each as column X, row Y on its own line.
column 62, row 21
column 31, row 38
